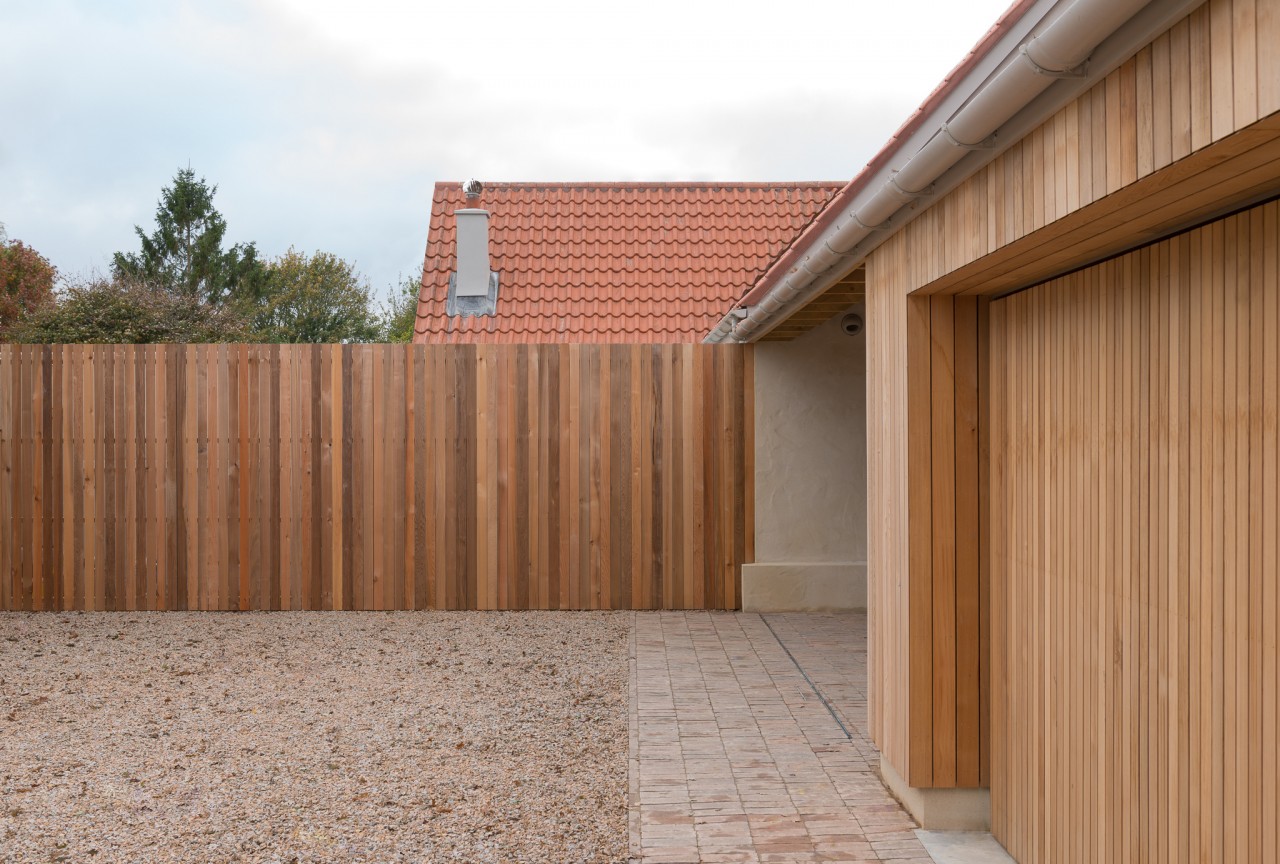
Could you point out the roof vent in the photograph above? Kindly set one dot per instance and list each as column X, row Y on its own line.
column 473, row 289
column 472, row 189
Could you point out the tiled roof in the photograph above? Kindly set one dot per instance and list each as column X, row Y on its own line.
column 613, row 262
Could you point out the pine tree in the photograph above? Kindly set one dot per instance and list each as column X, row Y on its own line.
column 184, row 255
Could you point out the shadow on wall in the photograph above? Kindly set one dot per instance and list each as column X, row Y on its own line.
column 811, row 472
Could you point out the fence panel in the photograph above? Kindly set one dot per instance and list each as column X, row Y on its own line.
column 373, row 476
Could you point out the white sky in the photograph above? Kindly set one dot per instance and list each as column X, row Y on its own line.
column 325, row 124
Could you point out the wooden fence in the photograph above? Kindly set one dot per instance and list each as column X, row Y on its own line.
column 374, row 477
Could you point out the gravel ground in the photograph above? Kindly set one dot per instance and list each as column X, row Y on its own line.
column 301, row 737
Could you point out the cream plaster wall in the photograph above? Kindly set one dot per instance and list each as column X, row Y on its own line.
column 811, row 473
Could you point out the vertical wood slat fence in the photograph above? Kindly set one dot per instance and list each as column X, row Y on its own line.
column 233, row 477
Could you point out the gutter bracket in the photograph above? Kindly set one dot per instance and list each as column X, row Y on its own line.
column 988, row 143
column 923, row 193
column 865, row 227
column 849, row 254
column 1081, row 71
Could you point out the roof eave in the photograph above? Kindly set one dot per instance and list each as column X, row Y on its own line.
column 822, row 254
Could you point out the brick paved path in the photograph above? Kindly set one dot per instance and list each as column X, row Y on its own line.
column 735, row 758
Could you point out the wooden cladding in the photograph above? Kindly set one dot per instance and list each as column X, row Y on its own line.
column 889, row 651
column 928, row 633
column 945, row 688
column 1213, row 73
column 1135, row 517
column 1155, row 144
column 374, row 477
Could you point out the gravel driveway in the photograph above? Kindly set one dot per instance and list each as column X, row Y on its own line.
column 300, row 737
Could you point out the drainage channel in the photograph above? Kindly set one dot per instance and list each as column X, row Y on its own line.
column 812, row 686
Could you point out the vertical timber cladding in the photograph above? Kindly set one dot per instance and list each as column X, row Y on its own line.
column 1135, row 499
column 374, row 477
column 943, row 515
column 928, row 633
column 1211, row 75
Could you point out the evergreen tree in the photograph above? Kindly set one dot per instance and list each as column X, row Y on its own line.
column 184, row 255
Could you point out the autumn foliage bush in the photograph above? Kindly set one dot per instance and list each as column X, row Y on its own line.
column 26, row 282
column 123, row 310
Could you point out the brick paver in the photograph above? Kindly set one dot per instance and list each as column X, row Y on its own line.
column 735, row 758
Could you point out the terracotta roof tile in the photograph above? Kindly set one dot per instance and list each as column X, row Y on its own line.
column 613, row 262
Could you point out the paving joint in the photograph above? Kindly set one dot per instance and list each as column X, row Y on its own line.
column 734, row 756
column 809, row 680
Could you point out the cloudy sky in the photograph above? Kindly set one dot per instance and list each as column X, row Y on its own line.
column 324, row 124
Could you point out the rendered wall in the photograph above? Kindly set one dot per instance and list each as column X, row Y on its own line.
column 811, row 473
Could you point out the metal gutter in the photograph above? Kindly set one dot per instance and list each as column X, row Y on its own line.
column 1024, row 70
